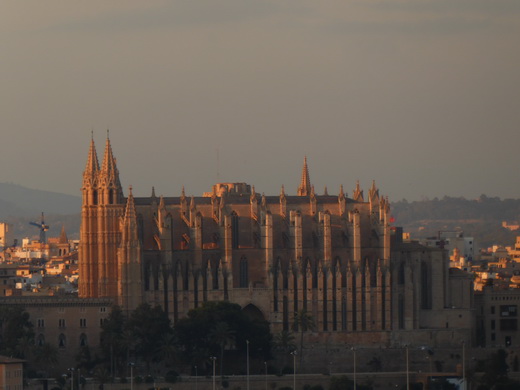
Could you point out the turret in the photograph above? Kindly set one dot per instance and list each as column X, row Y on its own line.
column 129, row 260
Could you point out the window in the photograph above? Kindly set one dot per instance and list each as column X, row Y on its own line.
column 508, row 311
column 243, row 277
column 492, row 309
column 40, row 323
column 234, row 230
column 83, row 322
column 400, row 278
column 61, row 341
column 102, row 309
column 492, row 324
column 61, row 323
column 83, row 340
column 400, row 311
column 426, row 302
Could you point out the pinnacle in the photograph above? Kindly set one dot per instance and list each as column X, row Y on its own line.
column 92, row 161
column 305, row 184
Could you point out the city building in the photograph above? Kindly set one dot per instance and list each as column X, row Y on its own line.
column 11, row 373
column 6, row 235
column 454, row 241
column 335, row 256
column 497, row 317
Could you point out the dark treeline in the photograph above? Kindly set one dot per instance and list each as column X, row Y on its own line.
column 480, row 218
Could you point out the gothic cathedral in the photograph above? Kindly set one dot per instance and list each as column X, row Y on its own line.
column 337, row 257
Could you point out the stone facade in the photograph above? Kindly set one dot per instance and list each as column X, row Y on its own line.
column 335, row 256
column 66, row 324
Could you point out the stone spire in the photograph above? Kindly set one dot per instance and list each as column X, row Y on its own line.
column 130, row 221
column 92, row 167
column 305, row 185
column 109, row 162
column 110, row 186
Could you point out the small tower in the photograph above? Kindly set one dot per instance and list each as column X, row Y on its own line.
column 129, row 260
column 63, row 243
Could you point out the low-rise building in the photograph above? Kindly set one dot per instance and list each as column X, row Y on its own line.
column 11, row 373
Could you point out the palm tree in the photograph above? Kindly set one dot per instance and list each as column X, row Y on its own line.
column 303, row 322
column 284, row 342
column 102, row 376
column 167, row 351
column 46, row 356
column 223, row 337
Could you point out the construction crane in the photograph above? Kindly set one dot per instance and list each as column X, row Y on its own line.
column 43, row 228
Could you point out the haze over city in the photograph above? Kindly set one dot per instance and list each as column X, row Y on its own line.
column 420, row 96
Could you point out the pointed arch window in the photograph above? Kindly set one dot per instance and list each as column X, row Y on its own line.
column 110, row 196
column 83, row 340
column 400, row 311
column 400, row 277
column 140, row 228
column 244, row 273
column 62, row 340
column 234, row 230
column 40, row 340
column 95, row 197
column 426, row 301
column 215, row 276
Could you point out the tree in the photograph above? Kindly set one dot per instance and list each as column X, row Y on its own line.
column 223, row 336
column 112, row 342
column 303, row 322
column 46, row 357
column 168, row 349
column 148, row 326
column 196, row 331
column 284, row 342
column 15, row 329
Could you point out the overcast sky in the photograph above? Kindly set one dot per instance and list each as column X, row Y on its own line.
column 421, row 96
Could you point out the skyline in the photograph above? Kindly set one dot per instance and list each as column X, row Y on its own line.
column 421, row 97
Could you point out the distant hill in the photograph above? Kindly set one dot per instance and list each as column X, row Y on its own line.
column 480, row 218
column 20, row 205
column 19, row 201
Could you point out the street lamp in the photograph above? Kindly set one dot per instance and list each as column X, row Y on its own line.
column 265, row 365
column 464, row 363
column 213, row 358
column 247, row 360
column 294, row 353
column 354, row 350
column 71, row 378
column 407, row 371
column 131, row 375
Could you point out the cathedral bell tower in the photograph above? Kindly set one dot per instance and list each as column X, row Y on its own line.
column 102, row 208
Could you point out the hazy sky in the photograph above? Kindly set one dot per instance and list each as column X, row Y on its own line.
column 421, row 96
